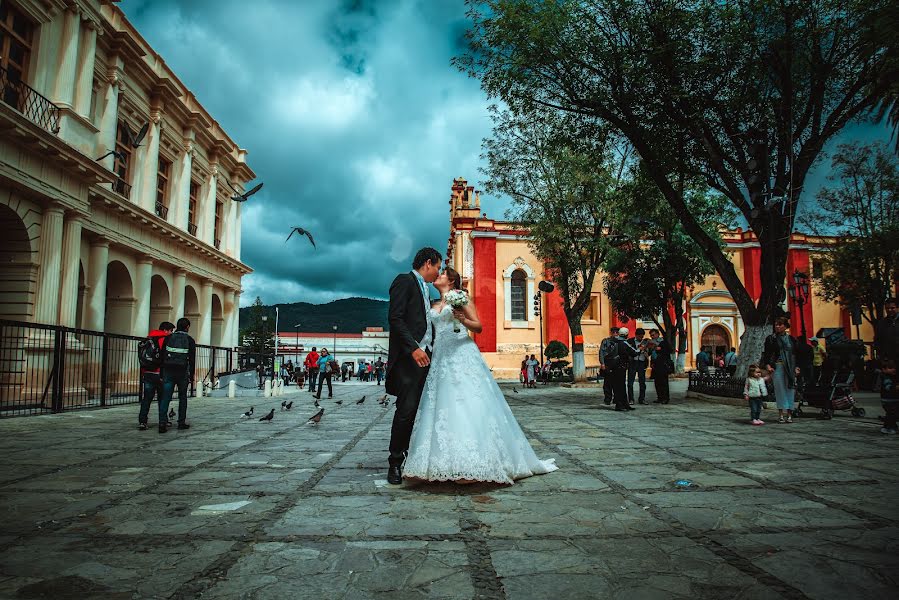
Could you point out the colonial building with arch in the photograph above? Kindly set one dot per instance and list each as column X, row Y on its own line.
column 501, row 274
column 99, row 232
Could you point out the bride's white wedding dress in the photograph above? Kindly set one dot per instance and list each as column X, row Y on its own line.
column 464, row 429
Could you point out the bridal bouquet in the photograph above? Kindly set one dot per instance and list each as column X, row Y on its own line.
column 456, row 299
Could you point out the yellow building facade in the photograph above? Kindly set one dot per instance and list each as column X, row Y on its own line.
column 502, row 273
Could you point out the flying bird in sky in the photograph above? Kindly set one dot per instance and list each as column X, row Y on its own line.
column 300, row 231
column 243, row 197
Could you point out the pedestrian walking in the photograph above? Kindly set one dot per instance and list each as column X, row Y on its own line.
column 524, row 371
column 637, row 366
column 818, row 358
column 886, row 345
column 754, row 392
column 730, row 362
column 150, row 357
column 179, row 353
column 379, row 370
column 619, row 363
column 533, row 365
column 703, row 360
column 311, row 364
column 779, row 356
column 661, row 366
column 324, row 373
column 606, row 347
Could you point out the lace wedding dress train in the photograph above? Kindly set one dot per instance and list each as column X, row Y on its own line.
column 464, row 429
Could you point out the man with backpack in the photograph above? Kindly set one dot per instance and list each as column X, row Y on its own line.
column 178, row 359
column 149, row 354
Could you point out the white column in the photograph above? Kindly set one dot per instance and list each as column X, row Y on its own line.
column 147, row 157
column 207, row 207
column 71, row 262
column 181, row 187
column 143, row 275
column 47, row 305
column 178, row 283
column 230, row 315
column 235, row 323
column 228, row 215
column 95, row 307
column 205, row 331
column 64, row 85
column 84, row 83
column 237, row 209
column 109, row 118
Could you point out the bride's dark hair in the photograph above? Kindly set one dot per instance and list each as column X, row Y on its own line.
column 454, row 277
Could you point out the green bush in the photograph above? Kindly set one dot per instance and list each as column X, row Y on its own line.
column 556, row 350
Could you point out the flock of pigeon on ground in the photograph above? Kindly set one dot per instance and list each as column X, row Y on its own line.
column 313, row 420
column 134, row 141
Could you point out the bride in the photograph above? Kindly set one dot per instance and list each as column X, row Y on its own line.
column 464, row 430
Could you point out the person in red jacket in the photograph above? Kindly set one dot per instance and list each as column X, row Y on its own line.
column 152, row 382
column 311, row 364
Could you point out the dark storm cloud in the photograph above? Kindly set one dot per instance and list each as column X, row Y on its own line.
column 353, row 117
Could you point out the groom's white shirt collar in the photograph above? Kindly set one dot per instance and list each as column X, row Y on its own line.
column 427, row 341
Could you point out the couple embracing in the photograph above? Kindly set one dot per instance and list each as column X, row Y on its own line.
column 452, row 422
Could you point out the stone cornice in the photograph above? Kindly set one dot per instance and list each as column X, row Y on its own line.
column 104, row 198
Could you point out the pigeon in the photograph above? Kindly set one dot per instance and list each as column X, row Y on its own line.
column 283, row 404
column 269, row 416
column 300, row 231
column 338, row 403
column 172, row 413
column 361, row 400
column 114, row 153
column 317, row 405
column 289, row 405
column 243, row 197
column 314, row 419
column 514, row 390
column 134, row 141
column 248, row 414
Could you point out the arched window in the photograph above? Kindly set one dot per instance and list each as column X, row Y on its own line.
column 518, row 295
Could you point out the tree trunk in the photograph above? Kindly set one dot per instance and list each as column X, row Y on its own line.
column 680, row 364
column 752, row 342
column 578, row 369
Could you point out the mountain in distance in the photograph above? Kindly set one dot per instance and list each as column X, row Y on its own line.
column 351, row 315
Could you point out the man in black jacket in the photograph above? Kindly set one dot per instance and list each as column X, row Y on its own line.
column 619, row 369
column 409, row 352
column 179, row 352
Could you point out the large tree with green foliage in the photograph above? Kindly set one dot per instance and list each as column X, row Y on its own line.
column 650, row 276
column 259, row 334
column 862, row 204
column 564, row 187
column 742, row 94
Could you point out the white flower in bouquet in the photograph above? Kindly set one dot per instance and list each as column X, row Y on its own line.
column 456, row 299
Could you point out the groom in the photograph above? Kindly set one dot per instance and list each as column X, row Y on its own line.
column 411, row 338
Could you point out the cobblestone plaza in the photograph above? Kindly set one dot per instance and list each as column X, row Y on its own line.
column 236, row 508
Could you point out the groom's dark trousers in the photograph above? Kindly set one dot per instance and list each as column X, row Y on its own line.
column 405, row 379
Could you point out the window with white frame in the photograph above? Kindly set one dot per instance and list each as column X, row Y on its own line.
column 518, row 295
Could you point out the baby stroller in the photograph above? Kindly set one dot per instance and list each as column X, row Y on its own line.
column 830, row 398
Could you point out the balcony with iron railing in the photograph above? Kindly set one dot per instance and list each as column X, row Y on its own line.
column 28, row 101
column 218, row 244
column 121, row 187
column 192, row 229
column 162, row 211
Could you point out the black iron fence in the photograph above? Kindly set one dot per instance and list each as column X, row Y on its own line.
column 51, row 369
column 26, row 100
column 716, row 383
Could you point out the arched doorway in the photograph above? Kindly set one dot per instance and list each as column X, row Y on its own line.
column 716, row 338
column 160, row 302
column 192, row 307
column 17, row 268
column 119, row 299
column 218, row 322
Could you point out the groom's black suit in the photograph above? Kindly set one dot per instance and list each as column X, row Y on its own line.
column 405, row 379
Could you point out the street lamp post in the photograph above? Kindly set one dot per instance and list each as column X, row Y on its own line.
column 334, row 345
column 799, row 293
column 545, row 287
column 296, row 341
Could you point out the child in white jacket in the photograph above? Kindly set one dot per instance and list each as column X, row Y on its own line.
column 755, row 392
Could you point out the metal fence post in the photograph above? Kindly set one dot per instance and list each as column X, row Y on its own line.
column 104, row 368
column 59, row 365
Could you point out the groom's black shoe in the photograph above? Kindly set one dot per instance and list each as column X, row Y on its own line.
column 394, row 475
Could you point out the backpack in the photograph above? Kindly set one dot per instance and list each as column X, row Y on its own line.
column 611, row 352
column 149, row 354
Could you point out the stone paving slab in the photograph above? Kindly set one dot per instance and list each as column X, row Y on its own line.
column 235, row 508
